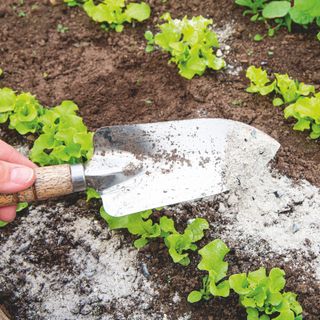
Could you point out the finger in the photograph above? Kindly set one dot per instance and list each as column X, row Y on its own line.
column 7, row 214
column 9, row 154
column 15, row 177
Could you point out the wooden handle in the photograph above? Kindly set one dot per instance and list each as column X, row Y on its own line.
column 3, row 314
column 51, row 182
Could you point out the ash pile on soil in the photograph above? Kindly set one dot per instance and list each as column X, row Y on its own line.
column 59, row 265
column 224, row 34
column 266, row 206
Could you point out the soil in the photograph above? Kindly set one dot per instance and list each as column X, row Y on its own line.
column 114, row 81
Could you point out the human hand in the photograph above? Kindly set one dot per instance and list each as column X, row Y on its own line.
column 16, row 174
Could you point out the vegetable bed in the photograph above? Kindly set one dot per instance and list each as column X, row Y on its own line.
column 59, row 259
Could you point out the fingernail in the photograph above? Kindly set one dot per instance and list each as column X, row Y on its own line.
column 21, row 175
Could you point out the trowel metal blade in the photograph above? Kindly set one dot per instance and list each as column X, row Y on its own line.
column 143, row 166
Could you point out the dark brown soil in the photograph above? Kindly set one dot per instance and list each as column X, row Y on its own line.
column 114, row 81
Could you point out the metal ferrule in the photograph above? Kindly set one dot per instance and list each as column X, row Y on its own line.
column 78, row 178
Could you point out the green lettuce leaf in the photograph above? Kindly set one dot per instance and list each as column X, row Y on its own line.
column 7, row 100
column 138, row 11
column 260, row 82
column 115, row 13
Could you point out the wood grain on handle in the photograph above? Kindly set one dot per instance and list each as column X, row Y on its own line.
column 3, row 314
column 51, row 182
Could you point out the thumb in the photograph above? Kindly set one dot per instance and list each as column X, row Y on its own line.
column 15, row 177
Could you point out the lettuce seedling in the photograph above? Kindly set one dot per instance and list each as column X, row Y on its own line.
column 260, row 83
column 301, row 100
column 92, row 194
column 261, row 295
column 306, row 110
column 22, row 110
column 114, row 13
column 212, row 261
column 27, row 111
column 137, row 224
column 179, row 244
column 202, row 294
column 190, row 42
column 140, row 225
column 290, row 90
column 3, row 224
column 7, row 103
column 21, row 206
column 64, row 137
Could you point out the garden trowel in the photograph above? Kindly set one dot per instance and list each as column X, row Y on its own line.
column 143, row 166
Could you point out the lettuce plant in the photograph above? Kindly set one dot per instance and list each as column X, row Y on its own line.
column 140, row 225
column 7, row 103
column 114, row 13
column 22, row 110
column 137, row 224
column 190, row 42
column 64, row 138
column 179, row 244
column 306, row 111
column 201, row 294
column 290, row 90
column 262, row 297
column 3, row 224
column 25, row 118
column 259, row 81
column 212, row 261
column 300, row 100
column 92, row 194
